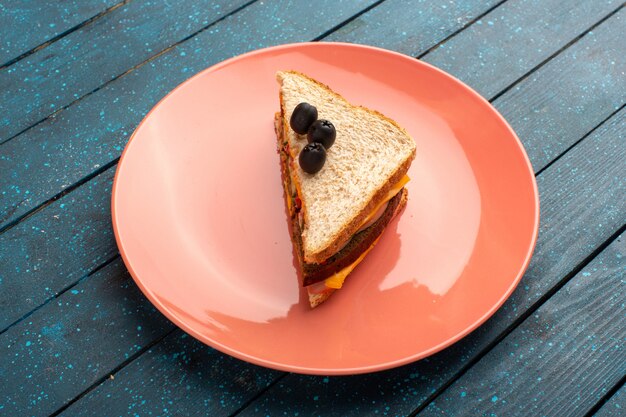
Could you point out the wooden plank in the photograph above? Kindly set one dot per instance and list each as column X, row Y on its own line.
column 63, row 149
column 76, row 340
column 525, row 31
column 55, row 248
column 131, row 96
column 504, row 45
column 559, row 361
column 570, row 94
column 603, row 149
column 407, row 377
column 87, row 211
column 180, row 375
column 410, row 29
column 580, row 193
column 615, row 406
column 37, row 97
column 27, row 24
column 82, row 337
column 82, row 61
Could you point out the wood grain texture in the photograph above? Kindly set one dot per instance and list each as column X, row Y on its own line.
column 81, row 135
column 77, row 64
column 615, row 406
column 179, row 376
column 63, row 149
column 571, row 94
column 410, row 28
column 392, row 392
column 102, row 134
column 86, row 333
column 556, row 104
column 403, row 388
column 79, row 338
column 55, row 248
column 559, row 361
column 25, row 25
column 578, row 215
column 526, row 31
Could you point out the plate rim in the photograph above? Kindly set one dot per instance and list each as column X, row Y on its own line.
column 319, row 370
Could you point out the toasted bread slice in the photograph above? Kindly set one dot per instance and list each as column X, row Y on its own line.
column 371, row 154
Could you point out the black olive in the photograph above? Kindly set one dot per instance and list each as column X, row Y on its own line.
column 312, row 157
column 303, row 117
column 322, row 131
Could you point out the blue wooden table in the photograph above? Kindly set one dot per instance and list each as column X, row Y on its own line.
column 78, row 338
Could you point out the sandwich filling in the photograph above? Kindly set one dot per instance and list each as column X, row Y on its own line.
column 331, row 273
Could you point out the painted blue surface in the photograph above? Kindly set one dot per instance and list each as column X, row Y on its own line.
column 407, row 387
column 72, row 322
column 583, row 79
column 559, row 335
column 84, row 60
column 74, row 341
column 55, row 248
column 45, row 20
column 615, row 406
column 102, row 121
column 515, row 29
column 411, row 29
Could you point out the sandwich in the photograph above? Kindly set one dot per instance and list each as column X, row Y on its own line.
column 344, row 170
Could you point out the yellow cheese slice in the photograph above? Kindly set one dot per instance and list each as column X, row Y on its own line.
column 391, row 194
column 336, row 280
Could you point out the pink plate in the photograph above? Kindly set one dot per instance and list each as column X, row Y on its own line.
column 200, row 220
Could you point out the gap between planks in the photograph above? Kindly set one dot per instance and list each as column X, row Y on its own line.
column 531, row 310
column 258, row 394
column 128, row 71
column 509, row 329
column 573, row 145
column 113, row 372
column 114, row 162
column 62, row 35
column 87, row 178
column 461, row 29
column 562, row 49
column 57, row 196
column 348, row 20
column 61, row 292
column 606, row 398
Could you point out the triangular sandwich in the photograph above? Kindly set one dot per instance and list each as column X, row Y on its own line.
column 338, row 211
